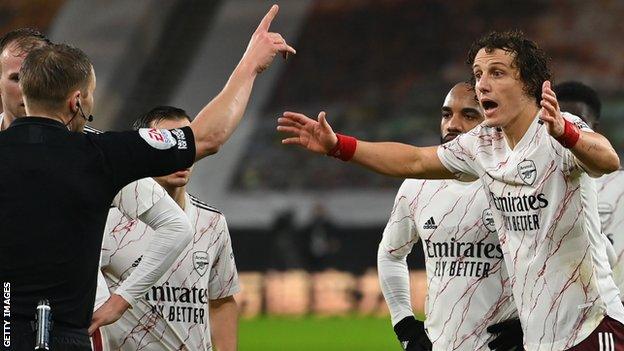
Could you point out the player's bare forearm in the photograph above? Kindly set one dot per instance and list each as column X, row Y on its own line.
column 401, row 160
column 596, row 154
column 216, row 122
column 224, row 323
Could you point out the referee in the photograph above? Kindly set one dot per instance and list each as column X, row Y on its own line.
column 56, row 185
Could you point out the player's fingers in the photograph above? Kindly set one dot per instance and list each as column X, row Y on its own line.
column 292, row 130
column 268, row 18
column 546, row 118
column 285, row 48
column 93, row 327
column 288, row 122
column 550, row 97
column 292, row 141
column 497, row 344
column 276, row 38
column 549, row 107
column 496, row 328
column 322, row 118
column 297, row 117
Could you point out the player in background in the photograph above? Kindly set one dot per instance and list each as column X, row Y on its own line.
column 192, row 306
column 14, row 46
column 534, row 163
column 144, row 199
column 468, row 285
column 583, row 101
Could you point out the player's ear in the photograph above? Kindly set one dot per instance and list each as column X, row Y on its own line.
column 74, row 101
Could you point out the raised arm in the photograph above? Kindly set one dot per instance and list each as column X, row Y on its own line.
column 592, row 150
column 217, row 121
column 393, row 159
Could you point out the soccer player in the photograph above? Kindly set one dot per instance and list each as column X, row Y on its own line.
column 534, row 163
column 583, row 101
column 144, row 199
column 14, row 46
column 193, row 302
column 468, row 284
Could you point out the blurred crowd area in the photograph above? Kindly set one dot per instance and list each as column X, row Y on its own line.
column 326, row 293
column 28, row 13
column 381, row 70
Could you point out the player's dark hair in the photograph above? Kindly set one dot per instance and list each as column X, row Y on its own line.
column 50, row 73
column 573, row 91
column 26, row 39
column 530, row 60
column 158, row 114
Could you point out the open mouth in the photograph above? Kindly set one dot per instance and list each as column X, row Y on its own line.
column 489, row 106
column 448, row 137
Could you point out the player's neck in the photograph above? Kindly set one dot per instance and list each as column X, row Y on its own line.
column 178, row 194
column 518, row 126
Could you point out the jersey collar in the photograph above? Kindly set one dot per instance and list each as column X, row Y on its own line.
column 29, row 120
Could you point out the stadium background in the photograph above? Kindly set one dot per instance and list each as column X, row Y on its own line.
column 305, row 228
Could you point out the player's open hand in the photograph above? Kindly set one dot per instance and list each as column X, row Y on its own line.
column 316, row 136
column 264, row 45
column 550, row 112
column 109, row 312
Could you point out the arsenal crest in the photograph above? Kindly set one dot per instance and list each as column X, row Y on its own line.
column 527, row 172
column 200, row 262
column 488, row 220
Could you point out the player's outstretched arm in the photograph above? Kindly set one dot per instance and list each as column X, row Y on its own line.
column 592, row 150
column 217, row 121
column 224, row 323
column 393, row 159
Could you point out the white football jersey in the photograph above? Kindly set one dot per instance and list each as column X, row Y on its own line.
column 173, row 314
column 545, row 209
column 468, row 284
column 611, row 211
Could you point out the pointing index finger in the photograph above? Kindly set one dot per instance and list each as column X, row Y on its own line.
column 268, row 18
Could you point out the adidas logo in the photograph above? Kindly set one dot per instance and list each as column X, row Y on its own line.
column 430, row 224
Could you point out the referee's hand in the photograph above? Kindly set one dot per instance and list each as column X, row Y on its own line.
column 264, row 45
column 109, row 312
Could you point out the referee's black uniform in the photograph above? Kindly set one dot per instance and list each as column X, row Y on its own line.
column 56, row 187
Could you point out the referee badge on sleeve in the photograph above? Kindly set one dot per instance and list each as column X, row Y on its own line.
column 160, row 139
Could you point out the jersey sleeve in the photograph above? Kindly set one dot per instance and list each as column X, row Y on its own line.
column 458, row 156
column 400, row 232
column 139, row 196
column 223, row 274
column 148, row 152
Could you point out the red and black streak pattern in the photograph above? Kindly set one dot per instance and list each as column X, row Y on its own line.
column 468, row 284
column 611, row 210
column 545, row 209
column 173, row 315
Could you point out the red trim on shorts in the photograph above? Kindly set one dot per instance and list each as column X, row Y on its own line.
column 96, row 340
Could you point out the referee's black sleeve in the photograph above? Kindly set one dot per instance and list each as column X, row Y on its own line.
column 148, row 152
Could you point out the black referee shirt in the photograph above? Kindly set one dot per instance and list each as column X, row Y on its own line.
column 56, row 187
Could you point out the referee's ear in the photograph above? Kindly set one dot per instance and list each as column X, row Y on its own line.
column 74, row 102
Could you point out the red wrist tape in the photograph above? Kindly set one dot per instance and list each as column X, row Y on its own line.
column 345, row 147
column 570, row 136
